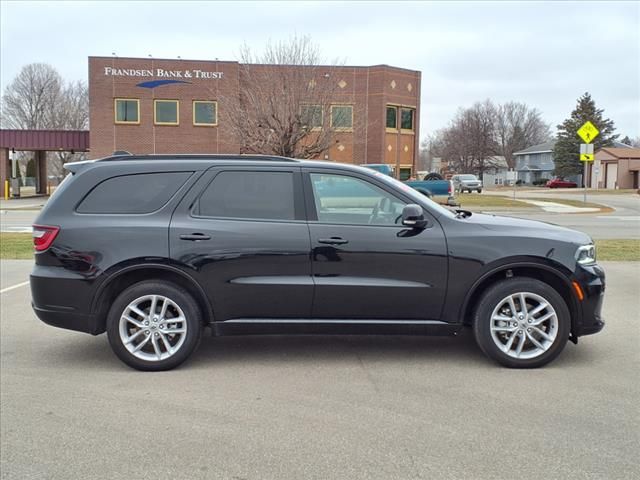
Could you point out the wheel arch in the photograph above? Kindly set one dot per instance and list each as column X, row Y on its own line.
column 130, row 275
column 545, row 273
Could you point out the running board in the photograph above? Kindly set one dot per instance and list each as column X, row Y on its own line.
column 304, row 326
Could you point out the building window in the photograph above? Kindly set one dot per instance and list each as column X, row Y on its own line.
column 406, row 118
column 165, row 112
column 342, row 117
column 311, row 116
column 205, row 113
column 127, row 110
column 392, row 117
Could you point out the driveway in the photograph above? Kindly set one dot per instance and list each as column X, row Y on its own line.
column 624, row 222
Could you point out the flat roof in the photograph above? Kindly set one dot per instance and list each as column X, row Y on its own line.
column 149, row 59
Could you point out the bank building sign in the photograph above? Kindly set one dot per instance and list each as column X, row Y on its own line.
column 162, row 73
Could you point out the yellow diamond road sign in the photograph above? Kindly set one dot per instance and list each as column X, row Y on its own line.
column 586, row 157
column 588, row 132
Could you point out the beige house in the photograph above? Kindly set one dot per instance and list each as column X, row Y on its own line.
column 615, row 168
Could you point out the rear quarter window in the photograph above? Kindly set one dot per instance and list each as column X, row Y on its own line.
column 133, row 194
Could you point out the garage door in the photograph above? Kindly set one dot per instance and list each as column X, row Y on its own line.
column 612, row 175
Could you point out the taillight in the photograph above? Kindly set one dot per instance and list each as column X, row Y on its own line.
column 450, row 187
column 43, row 236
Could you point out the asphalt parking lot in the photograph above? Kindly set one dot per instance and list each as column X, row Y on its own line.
column 288, row 407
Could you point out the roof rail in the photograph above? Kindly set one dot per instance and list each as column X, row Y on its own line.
column 122, row 155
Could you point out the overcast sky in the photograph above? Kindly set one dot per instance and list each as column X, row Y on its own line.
column 545, row 54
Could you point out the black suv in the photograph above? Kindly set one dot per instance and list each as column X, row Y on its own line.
column 151, row 249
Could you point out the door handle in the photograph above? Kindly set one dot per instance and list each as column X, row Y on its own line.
column 195, row 237
column 333, row 241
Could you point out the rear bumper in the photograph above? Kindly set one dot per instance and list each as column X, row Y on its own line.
column 62, row 298
column 67, row 320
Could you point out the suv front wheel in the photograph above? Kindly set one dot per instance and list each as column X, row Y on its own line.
column 522, row 323
column 154, row 325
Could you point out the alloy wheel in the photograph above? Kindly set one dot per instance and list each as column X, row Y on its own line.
column 524, row 325
column 153, row 328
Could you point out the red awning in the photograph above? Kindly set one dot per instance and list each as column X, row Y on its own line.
column 52, row 140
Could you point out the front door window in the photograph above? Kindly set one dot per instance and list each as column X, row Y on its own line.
column 340, row 199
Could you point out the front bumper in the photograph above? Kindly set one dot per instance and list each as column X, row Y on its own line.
column 591, row 279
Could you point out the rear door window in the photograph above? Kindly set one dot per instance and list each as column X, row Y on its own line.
column 249, row 195
column 133, row 194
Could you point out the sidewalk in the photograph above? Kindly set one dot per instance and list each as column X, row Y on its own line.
column 24, row 203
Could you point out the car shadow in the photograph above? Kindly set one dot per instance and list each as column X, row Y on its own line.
column 312, row 349
column 95, row 353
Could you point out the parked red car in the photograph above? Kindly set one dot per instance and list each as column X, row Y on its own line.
column 561, row 183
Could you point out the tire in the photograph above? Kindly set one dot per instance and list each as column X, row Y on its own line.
column 479, row 190
column 161, row 350
column 433, row 176
column 499, row 333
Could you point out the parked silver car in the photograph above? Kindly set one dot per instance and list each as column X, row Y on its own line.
column 466, row 182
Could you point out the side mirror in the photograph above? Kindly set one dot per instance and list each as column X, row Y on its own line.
column 413, row 216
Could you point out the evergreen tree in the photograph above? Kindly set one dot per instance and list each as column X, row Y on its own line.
column 627, row 141
column 566, row 153
column 31, row 169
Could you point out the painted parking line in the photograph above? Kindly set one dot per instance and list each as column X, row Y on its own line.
column 13, row 287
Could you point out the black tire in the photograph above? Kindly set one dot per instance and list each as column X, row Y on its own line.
column 181, row 298
column 479, row 190
column 433, row 176
column 492, row 299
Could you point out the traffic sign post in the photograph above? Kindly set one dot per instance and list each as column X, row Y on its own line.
column 587, row 132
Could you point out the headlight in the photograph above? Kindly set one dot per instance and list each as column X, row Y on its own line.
column 586, row 254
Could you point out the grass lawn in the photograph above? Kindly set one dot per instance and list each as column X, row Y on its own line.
column 472, row 200
column 610, row 191
column 16, row 246
column 625, row 249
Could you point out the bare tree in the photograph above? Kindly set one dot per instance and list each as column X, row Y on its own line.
column 288, row 111
column 30, row 100
column 38, row 98
column 469, row 142
column 518, row 127
column 478, row 134
column 72, row 113
column 632, row 142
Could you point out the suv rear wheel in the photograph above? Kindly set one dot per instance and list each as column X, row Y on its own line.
column 154, row 325
column 522, row 323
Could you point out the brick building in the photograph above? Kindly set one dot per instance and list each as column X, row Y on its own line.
column 146, row 105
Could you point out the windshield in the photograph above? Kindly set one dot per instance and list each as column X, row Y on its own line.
column 468, row 177
column 415, row 195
